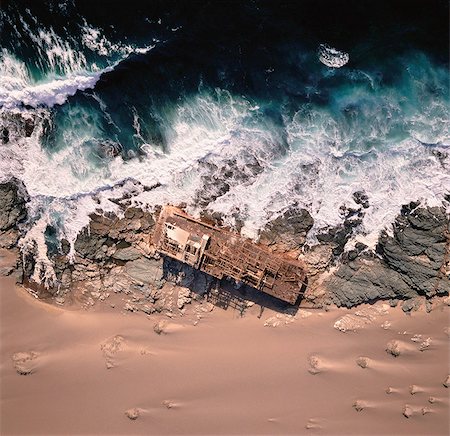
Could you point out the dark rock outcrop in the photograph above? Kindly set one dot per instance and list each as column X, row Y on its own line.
column 12, row 211
column 411, row 263
column 363, row 281
column 418, row 251
column 288, row 231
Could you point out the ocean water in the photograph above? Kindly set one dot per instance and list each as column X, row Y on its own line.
column 242, row 108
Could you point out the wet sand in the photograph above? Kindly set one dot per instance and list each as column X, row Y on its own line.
column 226, row 375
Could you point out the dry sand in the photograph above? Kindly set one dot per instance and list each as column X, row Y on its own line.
column 107, row 372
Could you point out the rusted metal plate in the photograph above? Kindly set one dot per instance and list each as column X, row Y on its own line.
column 222, row 253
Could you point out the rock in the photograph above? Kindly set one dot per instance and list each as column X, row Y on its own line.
column 13, row 197
column 339, row 235
column 425, row 344
column 359, row 405
column 407, row 411
column 160, row 327
column 110, row 348
column 288, row 231
column 6, row 270
column 132, row 414
column 148, row 309
column 315, row 365
column 447, row 382
column 184, row 297
column 363, row 362
column 393, row 348
column 359, row 319
column 273, row 321
column 279, row 319
column 126, row 254
column 131, row 308
column 417, row 249
column 431, row 400
column 169, row 404
column 366, row 280
column 411, row 305
column 386, row 325
column 410, row 264
column 24, row 362
column 12, row 204
column 148, row 271
column 390, row 390
column 318, row 258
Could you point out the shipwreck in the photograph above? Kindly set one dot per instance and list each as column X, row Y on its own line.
column 222, row 253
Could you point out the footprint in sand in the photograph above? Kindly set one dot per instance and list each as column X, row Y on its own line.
column 414, row 389
column 312, row 423
column 110, row 348
column 391, row 390
column 24, row 362
column 408, row 411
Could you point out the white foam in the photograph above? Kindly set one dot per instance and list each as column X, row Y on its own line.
column 50, row 93
column 208, row 135
column 332, row 57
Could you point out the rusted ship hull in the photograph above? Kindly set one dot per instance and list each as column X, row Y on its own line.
column 221, row 253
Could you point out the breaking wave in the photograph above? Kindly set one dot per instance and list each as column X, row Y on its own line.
column 89, row 119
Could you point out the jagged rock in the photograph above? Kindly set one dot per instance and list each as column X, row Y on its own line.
column 160, row 327
column 126, row 254
column 145, row 270
column 411, row 305
column 289, row 230
column 318, row 258
column 393, row 348
column 425, row 344
column 363, row 281
column 12, row 211
column 417, row 249
column 339, row 235
column 359, row 319
column 132, row 414
column 110, row 348
column 184, row 297
column 315, row 365
column 363, row 362
column 24, row 362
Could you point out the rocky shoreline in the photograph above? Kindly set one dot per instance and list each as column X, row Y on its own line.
column 113, row 255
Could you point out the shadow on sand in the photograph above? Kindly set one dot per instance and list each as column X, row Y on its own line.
column 225, row 293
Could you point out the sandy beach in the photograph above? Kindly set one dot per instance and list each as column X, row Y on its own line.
column 104, row 371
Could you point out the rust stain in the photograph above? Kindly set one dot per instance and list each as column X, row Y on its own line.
column 222, row 253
